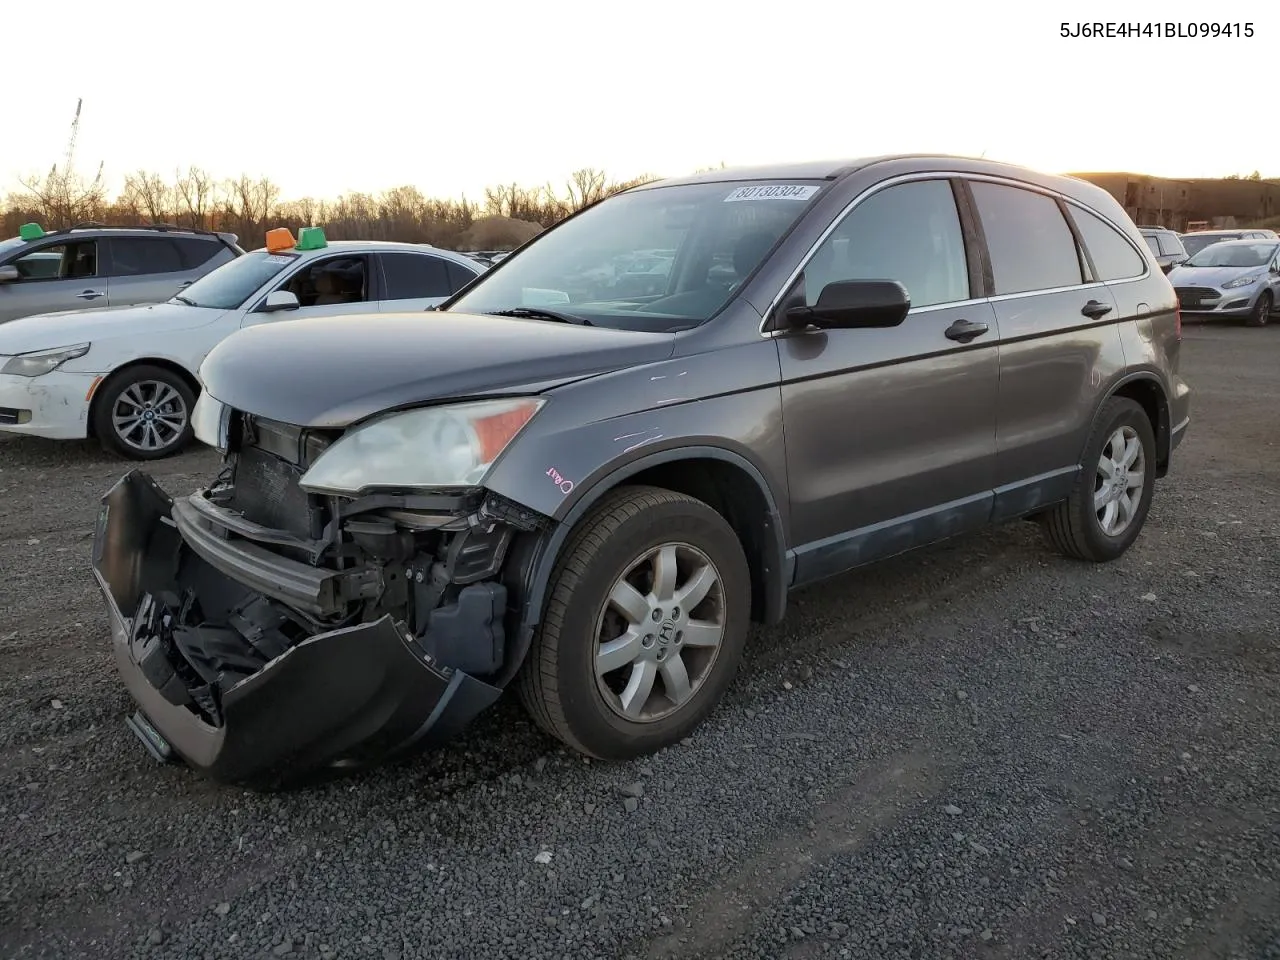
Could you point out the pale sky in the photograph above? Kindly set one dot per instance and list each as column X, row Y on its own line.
column 326, row 97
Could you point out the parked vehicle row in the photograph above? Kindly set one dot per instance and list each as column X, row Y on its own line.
column 128, row 375
column 587, row 493
column 1221, row 274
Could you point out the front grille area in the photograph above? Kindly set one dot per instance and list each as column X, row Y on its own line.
column 266, row 491
column 1191, row 296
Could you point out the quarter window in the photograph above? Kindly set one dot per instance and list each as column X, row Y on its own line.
column 1114, row 258
column 909, row 233
column 459, row 277
column 1030, row 244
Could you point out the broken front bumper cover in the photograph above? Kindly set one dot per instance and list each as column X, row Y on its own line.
column 339, row 700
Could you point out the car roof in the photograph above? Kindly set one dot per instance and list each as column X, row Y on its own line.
column 1210, row 233
column 835, row 170
column 1242, row 241
column 376, row 246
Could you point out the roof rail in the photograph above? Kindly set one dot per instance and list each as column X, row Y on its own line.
column 158, row 227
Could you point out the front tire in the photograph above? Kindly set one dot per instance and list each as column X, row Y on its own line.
column 648, row 613
column 144, row 413
column 1261, row 312
column 1111, row 497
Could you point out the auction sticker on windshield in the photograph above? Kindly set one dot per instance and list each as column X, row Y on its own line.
column 276, row 258
column 778, row 191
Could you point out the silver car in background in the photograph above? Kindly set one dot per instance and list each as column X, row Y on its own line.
column 94, row 266
column 1231, row 278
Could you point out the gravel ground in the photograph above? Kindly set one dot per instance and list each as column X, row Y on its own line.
column 979, row 750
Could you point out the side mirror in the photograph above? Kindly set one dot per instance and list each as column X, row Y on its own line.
column 279, row 300
column 853, row 304
column 9, row 273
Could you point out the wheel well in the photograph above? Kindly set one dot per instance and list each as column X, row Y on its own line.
column 169, row 365
column 733, row 494
column 1147, row 394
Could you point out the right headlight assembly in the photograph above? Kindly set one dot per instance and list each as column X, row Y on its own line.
column 430, row 447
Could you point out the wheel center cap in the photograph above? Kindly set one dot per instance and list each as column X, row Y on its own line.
column 667, row 632
column 148, row 414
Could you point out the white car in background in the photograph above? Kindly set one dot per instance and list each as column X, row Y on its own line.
column 128, row 375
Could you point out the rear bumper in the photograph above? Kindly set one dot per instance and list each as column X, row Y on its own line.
column 339, row 700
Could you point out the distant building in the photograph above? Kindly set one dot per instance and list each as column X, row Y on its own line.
column 1159, row 201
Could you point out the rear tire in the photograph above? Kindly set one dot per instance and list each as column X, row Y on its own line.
column 144, row 413
column 617, row 669
column 1262, row 312
column 1111, row 497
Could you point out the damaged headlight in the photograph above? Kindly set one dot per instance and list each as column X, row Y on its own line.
column 209, row 421
column 448, row 446
column 39, row 362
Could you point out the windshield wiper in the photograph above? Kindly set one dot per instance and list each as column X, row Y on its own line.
column 537, row 313
column 181, row 299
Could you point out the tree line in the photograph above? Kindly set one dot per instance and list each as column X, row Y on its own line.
column 248, row 206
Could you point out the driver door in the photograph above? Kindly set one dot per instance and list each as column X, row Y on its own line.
column 325, row 287
column 891, row 432
column 52, row 278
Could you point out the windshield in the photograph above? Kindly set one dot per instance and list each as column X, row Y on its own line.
column 229, row 286
column 8, row 246
column 664, row 258
column 1193, row 244
column 1234, row 255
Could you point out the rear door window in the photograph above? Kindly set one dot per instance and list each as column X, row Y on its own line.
column 413, row 276
column 1030, row 244
column 141, row 256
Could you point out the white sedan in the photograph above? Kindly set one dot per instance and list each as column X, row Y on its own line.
column 127, row 375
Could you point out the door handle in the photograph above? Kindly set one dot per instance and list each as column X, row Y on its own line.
column 1093, row 309
column 965, row 330
column 184, row 284
column 91, row 295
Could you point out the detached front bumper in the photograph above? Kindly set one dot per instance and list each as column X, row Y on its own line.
column 339, row 700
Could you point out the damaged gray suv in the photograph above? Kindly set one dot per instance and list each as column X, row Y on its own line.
column 558, row 483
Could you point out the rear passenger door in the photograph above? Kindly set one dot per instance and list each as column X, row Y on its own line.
column 144, row 269
column 1058, row 342
column 890, row 432
column 415, row 281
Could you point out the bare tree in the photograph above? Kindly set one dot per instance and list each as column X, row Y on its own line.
column 195, row 189
column 147, row 196
column 63, row 199
column 585, row 187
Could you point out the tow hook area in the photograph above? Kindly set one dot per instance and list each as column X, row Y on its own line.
column 282, row 706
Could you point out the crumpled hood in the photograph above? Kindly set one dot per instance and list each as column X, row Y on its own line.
column 1207, row 276
column 44, row 331
column 332, row 371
